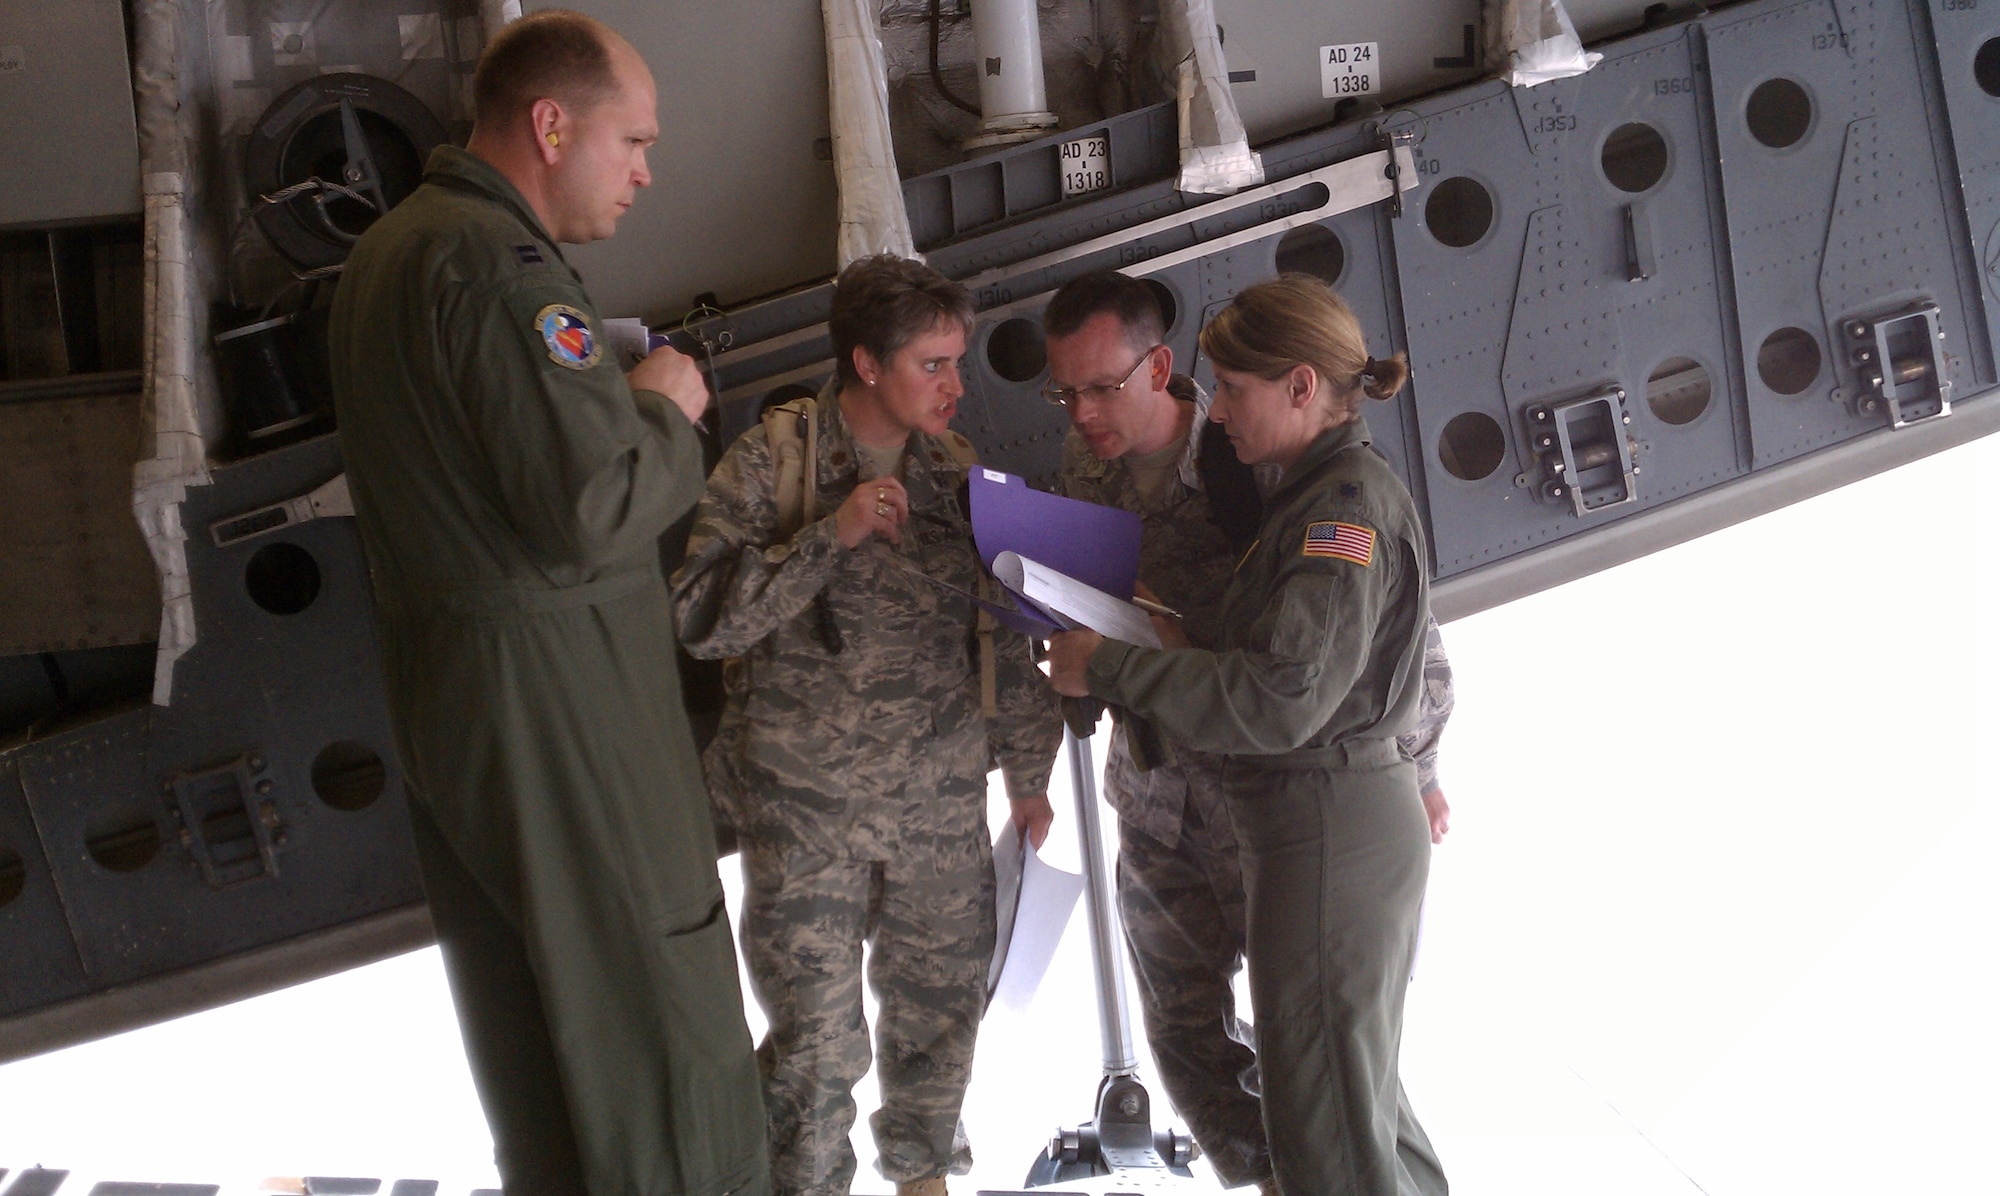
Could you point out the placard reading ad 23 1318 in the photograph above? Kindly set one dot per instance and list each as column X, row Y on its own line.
column 1354, row 69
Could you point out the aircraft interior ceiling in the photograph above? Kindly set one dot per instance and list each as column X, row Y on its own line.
column 1752, row 253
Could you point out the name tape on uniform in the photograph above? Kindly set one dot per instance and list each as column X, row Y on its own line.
column 1341, row 541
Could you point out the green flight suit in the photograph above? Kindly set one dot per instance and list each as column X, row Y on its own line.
column 511, row 492
column 1319, row 668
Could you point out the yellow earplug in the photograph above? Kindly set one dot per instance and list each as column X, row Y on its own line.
column 553, row 140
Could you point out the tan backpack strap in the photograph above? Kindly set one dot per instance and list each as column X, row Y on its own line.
column 809, row 485
column 792, row 431
column 983, row 625
column 961, row 451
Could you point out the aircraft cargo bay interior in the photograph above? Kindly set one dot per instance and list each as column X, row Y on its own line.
column 950, row 596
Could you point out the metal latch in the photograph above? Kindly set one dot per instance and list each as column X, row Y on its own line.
column 1901, row 361
column 1586, row 455
column 327, row 502
column 228, row 820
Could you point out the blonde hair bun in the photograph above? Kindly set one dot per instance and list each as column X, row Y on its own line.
column 1273, row 326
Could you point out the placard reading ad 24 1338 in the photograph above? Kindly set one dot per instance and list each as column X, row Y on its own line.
column 1354, row 69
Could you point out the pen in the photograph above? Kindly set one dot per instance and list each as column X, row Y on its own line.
column 1147, row 604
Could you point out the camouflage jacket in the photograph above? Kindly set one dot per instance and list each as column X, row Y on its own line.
column 1187, row 560
column 847, row 727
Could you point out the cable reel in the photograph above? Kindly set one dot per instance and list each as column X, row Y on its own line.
column 329, row 157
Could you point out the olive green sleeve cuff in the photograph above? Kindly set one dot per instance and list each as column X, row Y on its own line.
column 664, row 415
column 1101, row 674
column 657, row 405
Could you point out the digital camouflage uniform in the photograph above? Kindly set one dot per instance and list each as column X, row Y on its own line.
column 1318, row 669
column 511, row 491
column 857, row 784
column 1180, row 887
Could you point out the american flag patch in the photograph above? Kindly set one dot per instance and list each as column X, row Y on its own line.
column 1342, row 541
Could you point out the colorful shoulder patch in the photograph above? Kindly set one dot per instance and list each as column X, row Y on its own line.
column 1341, row 541
column 566, row 331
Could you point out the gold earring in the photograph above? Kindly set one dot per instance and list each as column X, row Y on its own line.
column 554, row 140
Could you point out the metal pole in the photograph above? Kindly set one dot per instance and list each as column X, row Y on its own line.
column 1113, row 1015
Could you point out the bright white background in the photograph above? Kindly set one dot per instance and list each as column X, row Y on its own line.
column 1716, row 913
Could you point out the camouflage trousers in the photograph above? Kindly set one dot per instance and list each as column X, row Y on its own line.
column 930, row 934
column 1183, row 910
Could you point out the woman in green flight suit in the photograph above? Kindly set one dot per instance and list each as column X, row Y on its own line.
column 1320, row 668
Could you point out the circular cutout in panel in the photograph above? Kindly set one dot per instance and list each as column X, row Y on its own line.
column 1779, row 114
column 13, row 874
column 1459, row 211
column 1634, row 157
column 1678, row 390
column 1170, row 309
column 1016, row 350
column 1788, row 360
column 1986, row 67
column 1312, row 249
column 1472, row 445
column 122, row 838
column 282, row 578
column 348, row 775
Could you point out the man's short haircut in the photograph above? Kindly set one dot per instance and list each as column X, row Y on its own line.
column 1102, row 291
column 884, row 302
column 556, row 55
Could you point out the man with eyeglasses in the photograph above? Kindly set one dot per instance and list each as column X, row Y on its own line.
column 1140, row 441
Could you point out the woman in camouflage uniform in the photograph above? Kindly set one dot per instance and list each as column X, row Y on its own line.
column 853, row 754
column 1318, row 670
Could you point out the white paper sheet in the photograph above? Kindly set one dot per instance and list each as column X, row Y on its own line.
column 1048, row 897
column 1072, row 600
column 1009, row 860
column 627, row 337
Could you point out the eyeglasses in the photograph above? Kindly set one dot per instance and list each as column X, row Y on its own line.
column 1070, row 396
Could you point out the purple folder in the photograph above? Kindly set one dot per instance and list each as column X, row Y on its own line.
column 1096, row 545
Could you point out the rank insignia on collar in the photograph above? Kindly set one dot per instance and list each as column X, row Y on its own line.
column 1341, row 541
column 530, row 255
column 566, row 331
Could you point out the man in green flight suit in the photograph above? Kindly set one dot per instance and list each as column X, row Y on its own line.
column 512, row 485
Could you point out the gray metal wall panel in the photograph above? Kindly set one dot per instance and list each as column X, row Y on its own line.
column 741, row 204
column 1846, row 221
column 80, row 786
column 280, row 687
column 1545, row 303
column 69, row 144
column 1458, row 305
column 42, row 963
column 1961, row 31
column 1422, row 48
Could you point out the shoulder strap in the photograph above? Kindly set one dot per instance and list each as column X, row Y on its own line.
column 967, row 458
column 792, row 430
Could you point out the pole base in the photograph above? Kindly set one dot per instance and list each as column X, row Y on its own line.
column 1120, row 1142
